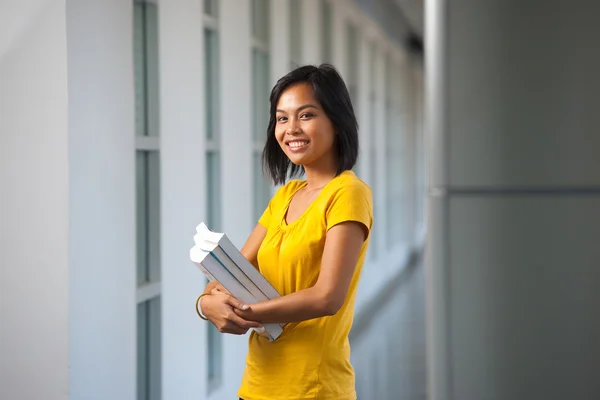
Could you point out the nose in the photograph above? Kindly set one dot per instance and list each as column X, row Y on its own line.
column 293, row 127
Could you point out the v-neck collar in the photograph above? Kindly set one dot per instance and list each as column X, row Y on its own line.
column 284, row 223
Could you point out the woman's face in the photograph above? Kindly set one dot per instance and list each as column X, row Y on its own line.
column 303, row 129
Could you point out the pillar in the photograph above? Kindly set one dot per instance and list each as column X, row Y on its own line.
column 513, row 259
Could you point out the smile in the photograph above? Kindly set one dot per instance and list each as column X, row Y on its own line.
column 297, row 145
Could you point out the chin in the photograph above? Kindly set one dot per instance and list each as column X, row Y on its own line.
column 297, row 162
column 301, row 161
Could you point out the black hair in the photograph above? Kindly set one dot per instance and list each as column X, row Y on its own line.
column 332, row 94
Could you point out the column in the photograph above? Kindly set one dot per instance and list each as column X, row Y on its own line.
column 280, row 39
column 102, row 242
column 34, row 202
column 235, row 69
column 183, row 204
column 311, row 32
column 339, row 37
column 514, row 201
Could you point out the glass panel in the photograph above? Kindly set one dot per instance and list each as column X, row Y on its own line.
column 141, row 174
column 260, row 20
column 145, row 60
column 154, row 348
column 373, row 185
column 372, row 146
column 211, row 83
column 213, row 190
column 262, row 187
column 148, row 216
column 139, row 67
column 152, row 102
column 295, row 33
column 352, row 54
column 352, row 79
column 153, row 207
column 394, row 202
column 142, row 351
column 326, row 24
column 215, row 356
column 261, row 89
column 211, row 7
column 149, row 350
column 394, row 156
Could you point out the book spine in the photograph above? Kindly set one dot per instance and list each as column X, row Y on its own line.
column 229, row 282
column 239, row 274
column 208, row 275
column 238, row 258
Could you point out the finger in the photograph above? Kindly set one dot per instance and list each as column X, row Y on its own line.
column 233, row 329
column 242, row 323
column 233, row 302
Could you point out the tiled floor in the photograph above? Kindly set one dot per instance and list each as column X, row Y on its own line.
column 388, row 355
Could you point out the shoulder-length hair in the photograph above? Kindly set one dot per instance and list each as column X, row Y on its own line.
column 332, row 94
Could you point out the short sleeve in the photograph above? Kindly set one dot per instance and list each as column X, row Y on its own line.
column 352, row 202
column 265, row 219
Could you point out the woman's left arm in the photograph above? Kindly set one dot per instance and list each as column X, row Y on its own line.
column 342, row 248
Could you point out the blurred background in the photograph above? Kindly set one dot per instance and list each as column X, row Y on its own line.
column 125, row 123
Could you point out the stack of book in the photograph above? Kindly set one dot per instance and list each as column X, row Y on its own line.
column 221, row 261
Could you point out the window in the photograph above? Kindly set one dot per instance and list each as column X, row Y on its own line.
column 260, row 112
column 395, row 203
column 295, row 33
column 211, row 8
column 214, row 341
column 372, row 146
column 326, row 31
column 352, row 61
column 147, row 166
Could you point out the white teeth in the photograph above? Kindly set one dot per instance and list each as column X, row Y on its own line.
column 297, row 144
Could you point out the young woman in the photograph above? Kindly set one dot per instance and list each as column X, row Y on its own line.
column 310, row 244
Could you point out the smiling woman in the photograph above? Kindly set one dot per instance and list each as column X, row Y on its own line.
column 310, row 243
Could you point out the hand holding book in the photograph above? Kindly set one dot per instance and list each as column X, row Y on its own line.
column 218, row 308
column 222, row 262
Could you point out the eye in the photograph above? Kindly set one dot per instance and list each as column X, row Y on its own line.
column 281, row 119
column 306, row 115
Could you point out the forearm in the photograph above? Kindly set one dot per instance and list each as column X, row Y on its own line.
column 299, row 306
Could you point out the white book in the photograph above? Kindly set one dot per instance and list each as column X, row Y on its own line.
column 221, row 261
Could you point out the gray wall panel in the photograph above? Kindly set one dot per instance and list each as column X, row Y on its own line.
column 525, row 298
column 523, row 93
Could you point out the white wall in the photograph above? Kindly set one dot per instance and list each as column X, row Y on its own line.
column 236, row 145
column 34, row 220
column 183, row 199
column 101, row 197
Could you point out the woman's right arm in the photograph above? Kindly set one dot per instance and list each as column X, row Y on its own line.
column 250, row 249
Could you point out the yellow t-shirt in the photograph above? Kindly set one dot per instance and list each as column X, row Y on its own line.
column 311, row 359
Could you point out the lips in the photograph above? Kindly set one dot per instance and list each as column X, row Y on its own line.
column 296, row 145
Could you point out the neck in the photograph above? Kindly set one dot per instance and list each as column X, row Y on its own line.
column 318, row 179
column 319, row 175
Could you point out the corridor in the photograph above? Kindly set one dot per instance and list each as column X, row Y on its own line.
column 388, row 341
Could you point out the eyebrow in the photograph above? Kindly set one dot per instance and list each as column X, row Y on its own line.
column 301, row 108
